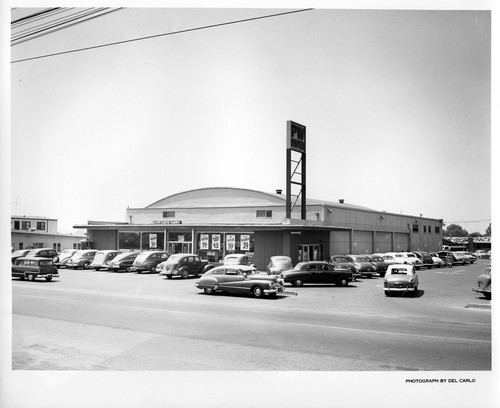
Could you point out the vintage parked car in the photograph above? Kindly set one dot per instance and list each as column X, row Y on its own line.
column 81, row 259
column 34, row 267
column 467, row 255
column 481, row 253
column 278, row 264
column 425, row 257
column 18, row 254
column 101, row 257
column 317, row 272
column 406, row 258
column 43, row 252
column 240, row 279
column 342, row 262
column 363, row 265
column 379, row 263
column 61, row 259
column 401, row 279
column 484, row 283
column 451, row 257
column 438, row 262
column 148, row 260
column 389, row 259
column 231, row 259
column 183, row 265
column 122, row 262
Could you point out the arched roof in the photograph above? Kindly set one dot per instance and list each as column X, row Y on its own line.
column 219, row 197
column 234, row 197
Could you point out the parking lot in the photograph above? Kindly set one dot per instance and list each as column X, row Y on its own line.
column 100, row 320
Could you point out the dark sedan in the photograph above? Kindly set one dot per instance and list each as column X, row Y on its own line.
column 317, row 272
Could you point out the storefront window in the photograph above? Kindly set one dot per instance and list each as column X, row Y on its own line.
column 129, row 240
column 152, row 241
column 214, row 246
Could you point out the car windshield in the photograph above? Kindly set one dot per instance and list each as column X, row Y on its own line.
column 377, row 259
column 388, row 257
column 400, row 271
column 282, row 261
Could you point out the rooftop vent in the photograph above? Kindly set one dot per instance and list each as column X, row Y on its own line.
column 341, row 200
column 278, row 191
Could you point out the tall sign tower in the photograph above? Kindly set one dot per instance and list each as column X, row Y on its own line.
column 295, row 167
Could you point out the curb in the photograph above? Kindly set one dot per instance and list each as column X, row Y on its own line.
column 478, row 306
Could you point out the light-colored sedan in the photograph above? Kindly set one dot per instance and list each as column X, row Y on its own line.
column 401, row 279
column 438, row 262
column 278, row 264
column 240, row 279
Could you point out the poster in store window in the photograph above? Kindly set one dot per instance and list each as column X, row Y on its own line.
column 153, row 240
column 245, row 242
column 230, row 242
column 204, row 241
column 216, row 242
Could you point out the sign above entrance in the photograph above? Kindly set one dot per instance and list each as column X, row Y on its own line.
column 167, row 222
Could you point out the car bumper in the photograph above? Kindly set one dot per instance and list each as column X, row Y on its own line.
column 400, row 289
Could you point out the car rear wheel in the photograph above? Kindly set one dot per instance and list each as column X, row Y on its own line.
column 297, row 282
column 257, row 291
column 152, row 269
column 31, row 277
column 86, row 265
column 48, row 278
column 169, row 276
column 209, row 291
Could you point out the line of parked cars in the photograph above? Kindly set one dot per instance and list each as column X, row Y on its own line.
column 236, row 273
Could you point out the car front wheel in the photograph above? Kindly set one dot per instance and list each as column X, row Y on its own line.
column 185, row 274
column 342, row 282
column 209, row 291
column 297, row 282
column 48, row 278
column 257, row 291
column 31, row 277
column 86, row 265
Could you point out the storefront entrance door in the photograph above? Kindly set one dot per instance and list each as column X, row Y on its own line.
column 310, row 252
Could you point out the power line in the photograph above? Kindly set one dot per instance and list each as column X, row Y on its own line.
column 32, row 16
column 162, row 35
column 60, row 24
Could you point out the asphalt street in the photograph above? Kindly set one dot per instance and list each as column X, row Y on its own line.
column 98, row 320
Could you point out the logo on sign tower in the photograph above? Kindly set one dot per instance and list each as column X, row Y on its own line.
column 295, row 142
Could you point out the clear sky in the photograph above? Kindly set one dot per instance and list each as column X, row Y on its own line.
column 396, row 104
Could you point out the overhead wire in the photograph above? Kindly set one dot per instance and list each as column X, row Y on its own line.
column 60, row 24
column 34, row 15
column 46, row 24
column 162, row 35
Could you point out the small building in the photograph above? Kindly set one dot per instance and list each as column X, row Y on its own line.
column 29, row 232
column 217, row 221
